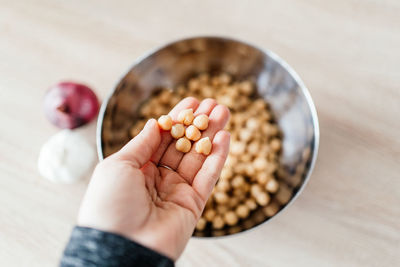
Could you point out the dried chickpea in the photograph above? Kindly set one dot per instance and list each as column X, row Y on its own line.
column 239, row 193
column 263, row 178
column 203, row 146
column 201, row 224
column 239, row 119
column 251, row 204
column 250, row 171
column 186, row 116
column 146, row 110
column 242, row 197
column 284, row 194
column 246, row 187
column 255, row 190
column 107, row 135
column 204, row 78
column 240, row 168
column 230, row 218
column 192, row 133
column 209, row 214
column 233, row 201
column 268, row 129
column 181, row 91
column 224, row 78
column 253, row 148
column 264, row 151
column 207, row 92
column 183, row 144
column 237, row 148
column 221, row 197
column 272, row 186
column 165, row 96
column 178, row 130
column 238, row 181
column 265, row 117
column 201, row 122
column 215, row 81
column 242, row 103
column 245, row 157
column 259, row 104
column 260, row 164
column 271, row 157
column 253, row 124
column 262, row 198
column 295, row 180
column 165, row 122
column 275, row 144
column 242, row 211
column 245, row 135
column 223, row 185
column 222, row 209
column 274, row 130
column 232, row 91
column 246, row 87
column 271, row 209
column 153, row 102
column 218, row 222
column 194, row 84
column 257, row 135
column 253, row 114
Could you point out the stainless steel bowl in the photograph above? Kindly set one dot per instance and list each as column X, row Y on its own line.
column 175, row 63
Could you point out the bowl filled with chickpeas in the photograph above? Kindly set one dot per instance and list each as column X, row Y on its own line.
column 273, row 124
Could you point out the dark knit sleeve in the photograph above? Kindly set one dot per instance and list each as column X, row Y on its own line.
column 91, row 247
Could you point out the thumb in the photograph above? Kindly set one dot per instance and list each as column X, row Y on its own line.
column 140, row 149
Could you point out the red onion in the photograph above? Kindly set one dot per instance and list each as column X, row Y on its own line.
column 70, row 105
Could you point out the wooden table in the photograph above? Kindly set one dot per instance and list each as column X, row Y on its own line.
column 347, row 52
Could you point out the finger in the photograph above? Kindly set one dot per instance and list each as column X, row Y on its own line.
column 192, row 161
column 140, row 149
column 206, row 106
column 172, row 157
column 209, row 173
column 166, row 138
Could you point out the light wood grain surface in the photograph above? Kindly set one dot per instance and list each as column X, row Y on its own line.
column 347, row 52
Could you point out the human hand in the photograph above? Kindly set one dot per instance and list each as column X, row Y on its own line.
column 131, row 195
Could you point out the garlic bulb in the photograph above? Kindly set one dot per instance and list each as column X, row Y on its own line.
column 66, row 157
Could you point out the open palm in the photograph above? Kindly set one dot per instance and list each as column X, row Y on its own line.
column 132, row 193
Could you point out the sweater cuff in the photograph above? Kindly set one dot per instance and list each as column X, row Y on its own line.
column 91, row 247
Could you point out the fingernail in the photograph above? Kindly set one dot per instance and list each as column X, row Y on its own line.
column 151, row 123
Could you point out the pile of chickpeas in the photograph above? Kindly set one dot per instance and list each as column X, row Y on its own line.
column 249, row 182
column 192, row 132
